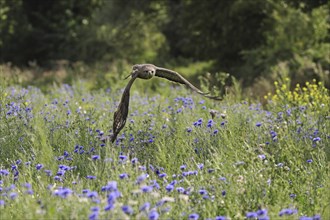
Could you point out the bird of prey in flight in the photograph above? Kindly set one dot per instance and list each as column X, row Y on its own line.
column 146, row 71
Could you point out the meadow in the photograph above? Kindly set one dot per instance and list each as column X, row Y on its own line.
column 180, row 156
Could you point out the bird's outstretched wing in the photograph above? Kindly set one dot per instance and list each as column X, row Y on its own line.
column 176, row 77
column 120, row 116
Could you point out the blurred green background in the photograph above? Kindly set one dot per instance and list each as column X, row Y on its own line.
column 254, row 41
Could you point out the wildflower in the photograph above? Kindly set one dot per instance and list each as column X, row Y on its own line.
column 91, row 177
column 58, row 178
column 182, row 167
column 162, row 175
column 113, row 196
column 180, row 189
column 203, row 192
column 95, row 157
column 109, row 207
column 39, row 166
column 223, row 193
column 222, row 178
column 2, row 202
column 27, row 185
column 123, row 176
column 193, row 216
column 141, row 178
column 169, row 188
column 134, row 161
column 292, row 195
column 122, row 157
column 92, row 194
column 127, row 209
column 317, row 139
column 146, row 189
column 216, row 131
column 48, row 172
column 305, row 218
column 309, row 161
column 93, row 216
column 13, row 195
column 251, row 215
column 220, row 218
column 144, row 207
column 287, row 212
column 261, row 212
column 200, row 166
column 262, row 156
column 153, row 215
column 95, row 209
column 189, row 130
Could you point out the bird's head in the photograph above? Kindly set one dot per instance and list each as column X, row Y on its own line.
column 144, row 71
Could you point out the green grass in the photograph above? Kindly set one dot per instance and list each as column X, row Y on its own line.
column 245, row 167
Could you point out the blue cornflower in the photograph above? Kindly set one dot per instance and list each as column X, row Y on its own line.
column 2, row 202
column 200, row 166
column 134, row 161
column 220, row 218
column 27, row 185
column 162, row 175
column 180, row 189
column 63, row 193
column 92, row 194
column 292, row 195
column 258, row 124
column 13, row 195
column 93, row 216
column 48, row 172
column 127, row 209
column 39, row 166
column 202, row 192
column 317, row 139
column 223, row 193
column 153, row 215
column 109, row 207
column 189, row 130
column 262, row 156
column 223, row 178
column 182, row 167
column 261, row 212
column 146, row 189
column 145, row 207
column 111, row 186
column 141, row 178
column 251, row 215
column 58, row 178
column 113, row 196
column 123, row 176
column 193, row 216
column 95, row 209
column 122, row 157
column 306, row 218
column 60, row 173
column 309, row 161
column 287, row 212
column 96, row 157
column 216, row 131
column 91, row 177
column 169, row 188
column 18, row 162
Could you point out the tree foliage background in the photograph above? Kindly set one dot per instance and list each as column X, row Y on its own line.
column 250, row 39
